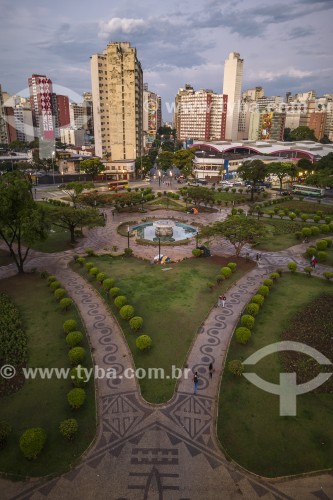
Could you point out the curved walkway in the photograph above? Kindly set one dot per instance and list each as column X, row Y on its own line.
column 168, row 452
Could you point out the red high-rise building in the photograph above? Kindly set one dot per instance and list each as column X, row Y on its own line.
column 40, row 88
column 63, row 111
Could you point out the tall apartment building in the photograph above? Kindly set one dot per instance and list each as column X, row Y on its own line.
column 152, row 114
column 317, row 114
column 89, row 111
column 270, row 103
column 253, row 94
column 266, row 126
column 314, row 118
column 40, row 88
column 63, row 111
column 117, row 89
column 187, row 90
column 232, row 86
column 3, row 125
column 23, row 123
column 77, row 113
column 201, row 115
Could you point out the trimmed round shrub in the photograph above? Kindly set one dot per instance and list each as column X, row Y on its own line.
column 59, row 293
column 226, row 271
column 331, row 226
column 89, row 265
column 120, row 301
column 316, row 218
column 100, row 277
column 304, row 217
column 94, row 271
column 76, row 398
column 292, row 266
column 32, row 442
column 268, row 282
column 136, row 323
column 196, row 252
column 220, row 278
column 78, row 377
column 69, row 326
column 128, row 252
column 127, row 312
column 232, row 266
column 68, row 428
column 51, row 279
column 328, row 275
column 329, row 243
column 81, row 261
column 292, row 215
column 108, row 283
column 321, row 245
column 74, row 338
column 315, row 230
column 236, row 367
column 76, row 355
column 325, row 228
column 306, row 231
column 311, row 251
column 308, row 270
column 144, row 342
column 54, row 285
column 258, row 299
column 252, row 309
column 5, row 430
column 328, row 219
column 274, row 276
column 114, row 292
column 322, row 256
column 248, row 321
column 263, row 290
column 66, row 303
column 243, row 335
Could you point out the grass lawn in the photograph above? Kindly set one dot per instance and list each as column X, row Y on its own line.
column 306, row 207
column 173, row 304
column 280, row 235
column 166, row 203
column 43, row 403
column 249, row 426
column 58, row 240
column 5, row 258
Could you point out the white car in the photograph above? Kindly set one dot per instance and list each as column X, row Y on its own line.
column 226, row 183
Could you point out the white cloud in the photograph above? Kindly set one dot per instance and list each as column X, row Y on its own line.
column 122, row 25
column 269, row 76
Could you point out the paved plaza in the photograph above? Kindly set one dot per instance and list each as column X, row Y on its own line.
column 166, row 452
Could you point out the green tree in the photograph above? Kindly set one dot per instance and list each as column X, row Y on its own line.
column 281, row 170
column 286, row 134
column 144, row 163
column 92, row 167
column 168, row 146
column 22, row 220
column 323, row 169
column 254, row 171
column 74, row 190
column 302, row 133
column 165, row 159
column 17, row 146
column 237, row 229
column 71, row 218
column 183, row 159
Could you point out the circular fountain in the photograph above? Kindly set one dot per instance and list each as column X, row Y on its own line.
column 167, row 231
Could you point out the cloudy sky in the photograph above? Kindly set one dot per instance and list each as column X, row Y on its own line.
column 286, row 45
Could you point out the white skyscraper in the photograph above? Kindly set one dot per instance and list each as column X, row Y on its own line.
column 232, row 87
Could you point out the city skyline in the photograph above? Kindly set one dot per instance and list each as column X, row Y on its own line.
column 285, row 47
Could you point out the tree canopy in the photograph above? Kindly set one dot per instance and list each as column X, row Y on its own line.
column 237, row 229
column 93, row 167
column 183, row 159
column 282, row 170
column 165, row 159
column 74, row 190
column 253, row 171
column 302, row 133
column 22, row 220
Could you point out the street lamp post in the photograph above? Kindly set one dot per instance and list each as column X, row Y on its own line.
column 159, row 250
column 159, row 178
column 197, row 239
column 170, row 178
column 53, row 153
column 142, row 202
column 128, row 237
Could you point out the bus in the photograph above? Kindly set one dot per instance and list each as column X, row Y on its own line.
column 112, row 186
column 308, row 190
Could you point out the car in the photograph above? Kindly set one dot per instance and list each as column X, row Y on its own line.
column 286, row 193
column 257, row 189
column 226, row 183
column 238, row 183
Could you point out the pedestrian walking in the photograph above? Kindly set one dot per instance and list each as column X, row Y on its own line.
column 219, row 300
column 210, row 369
column 195, row 381
column 224, row 298
column 257, row 258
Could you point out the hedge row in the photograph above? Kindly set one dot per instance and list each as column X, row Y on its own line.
column 126, row 311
